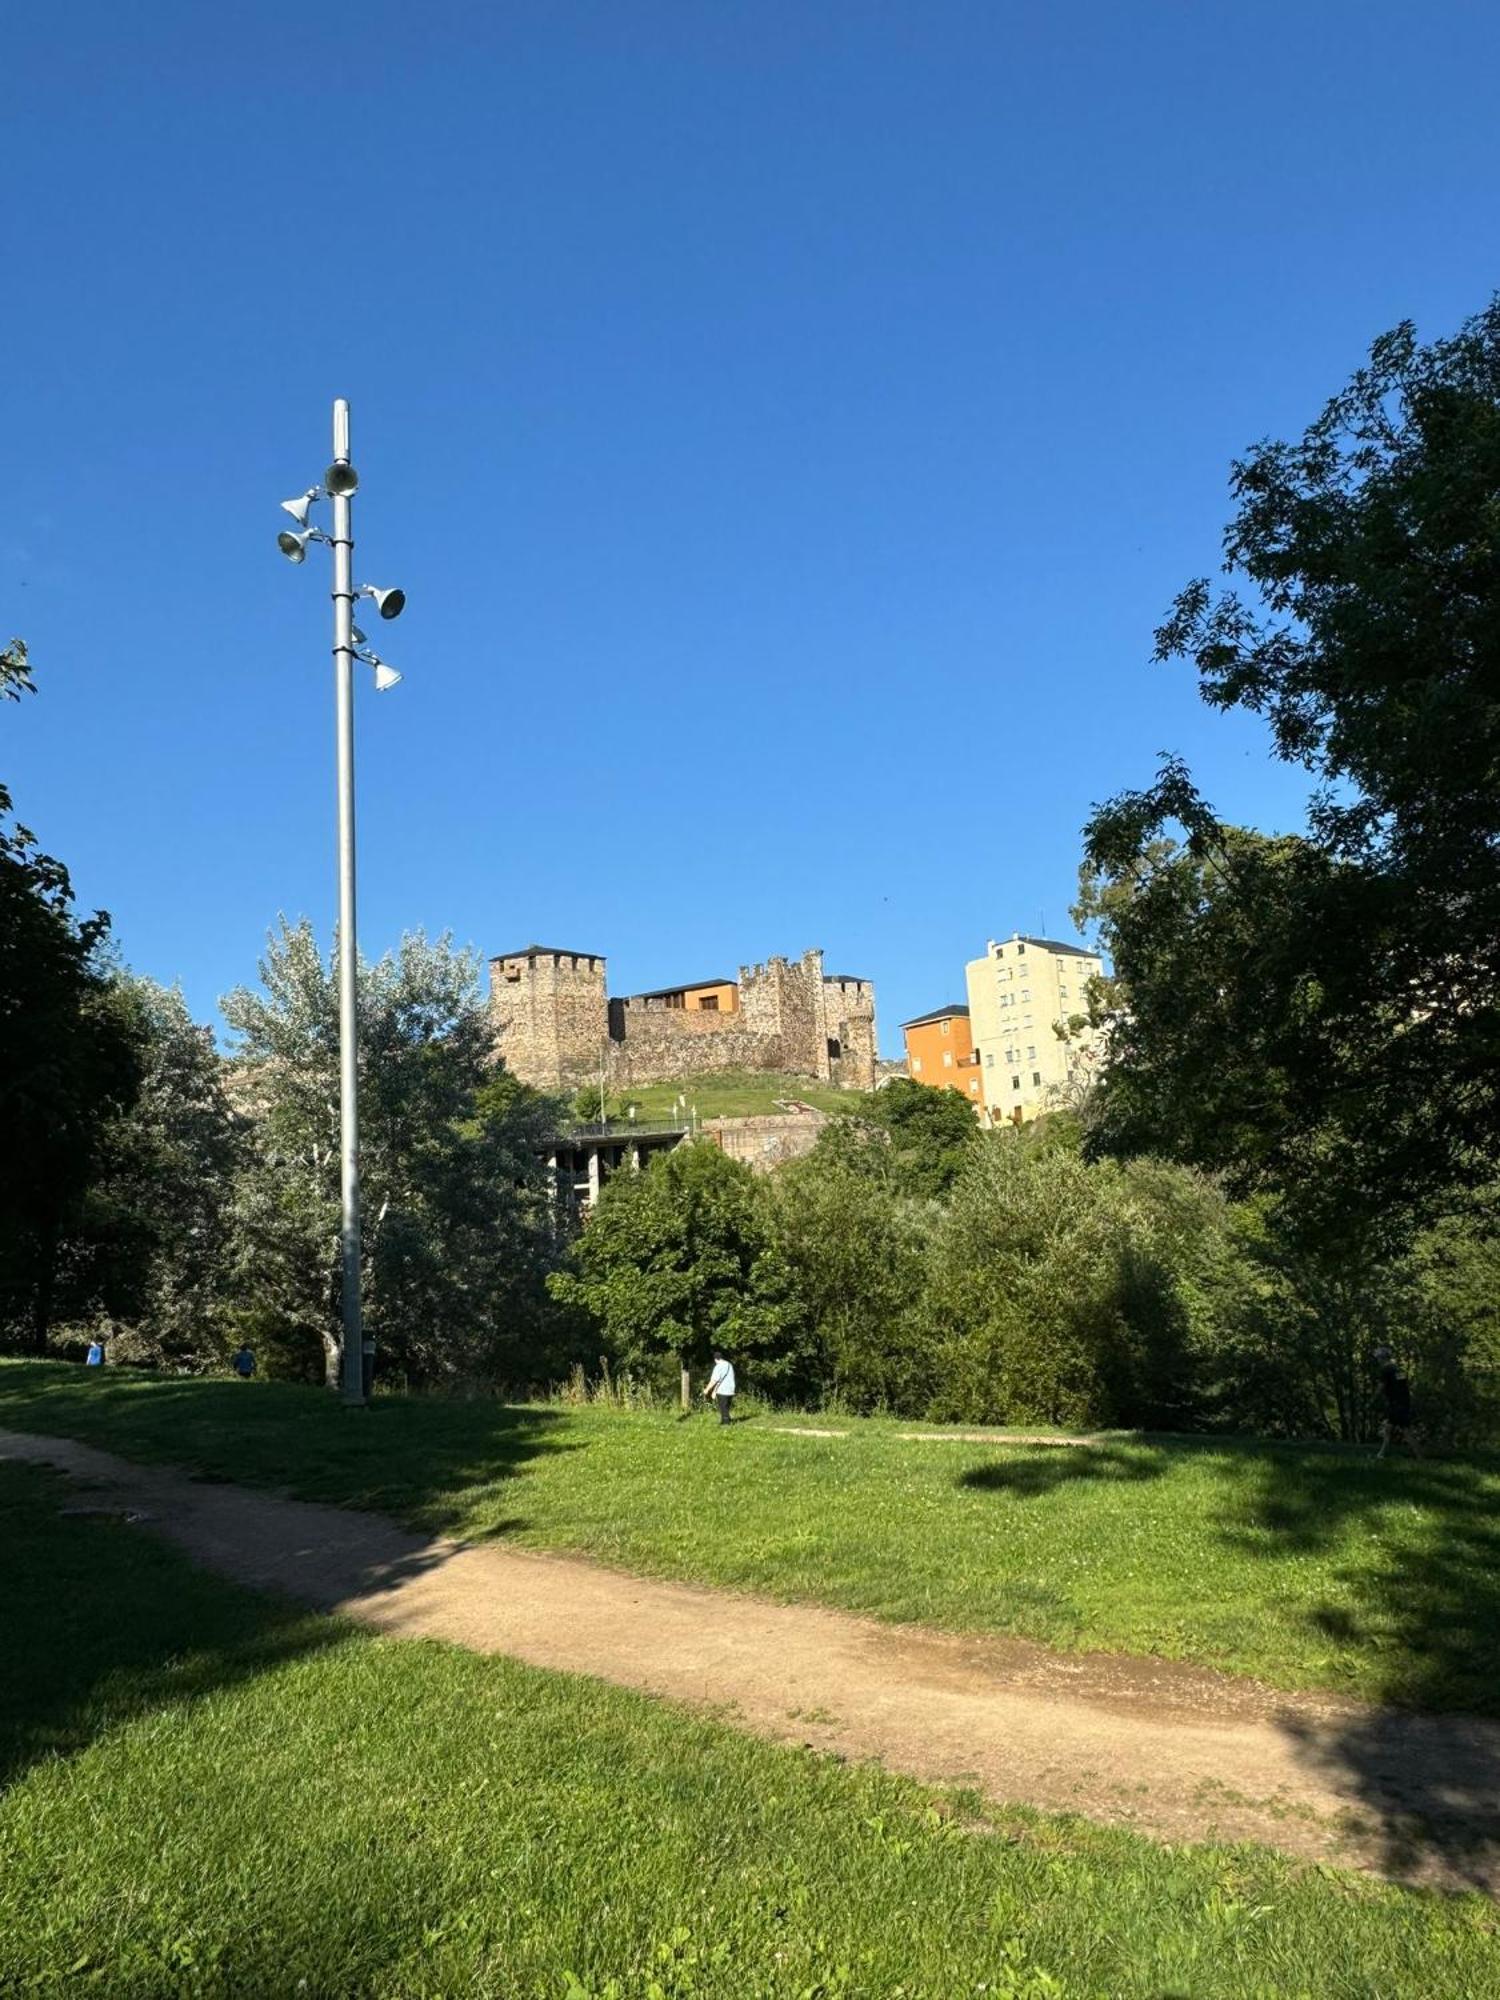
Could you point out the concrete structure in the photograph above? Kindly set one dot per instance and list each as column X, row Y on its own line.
column 555, row 1024
column 940, row 1053
column 769, row 1139
column 1018, row 993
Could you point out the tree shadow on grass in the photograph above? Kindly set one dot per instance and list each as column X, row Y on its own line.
column 1033, row 1474
column 430, row 1461
column 1420, row 1602
column 103, row 1624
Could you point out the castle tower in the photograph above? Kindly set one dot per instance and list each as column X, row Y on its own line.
column 550, row 1014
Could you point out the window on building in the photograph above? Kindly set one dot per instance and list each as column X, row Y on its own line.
column 709, row 1003
column 989, row 1059
column 916, row 1065
column 1031, row 1052
column 1021, row 948
column 1025, row 996
column 835, row 1048
column 1015, row 1083
column 1036, row 1077
column 945, row 1027
column 947, row 1058
column 973, row 1090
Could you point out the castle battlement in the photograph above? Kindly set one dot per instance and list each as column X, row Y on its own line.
column 556, row 1025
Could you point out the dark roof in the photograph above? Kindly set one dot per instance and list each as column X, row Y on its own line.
column 938, row 1014
column 1054, row 944
column 683, row 986
column 544, row 951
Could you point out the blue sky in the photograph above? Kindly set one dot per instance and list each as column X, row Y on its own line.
column 788, row 422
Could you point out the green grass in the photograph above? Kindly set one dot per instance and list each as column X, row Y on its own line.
column 1308, row 1567
column 736, row 1094
column 211, row 1795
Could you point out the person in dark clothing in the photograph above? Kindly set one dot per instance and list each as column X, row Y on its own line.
column 1399, row 1425
column 243, row 1361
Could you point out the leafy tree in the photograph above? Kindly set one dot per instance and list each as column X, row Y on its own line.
column 457, row 1232
column 853, row 1254
column 1365, row 627
column 151, row 1247
column 677, row 1258
column 1071, row 1293
column 928, row 1133
column 69, row 1061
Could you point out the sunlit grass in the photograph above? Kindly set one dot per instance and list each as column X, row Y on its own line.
column 1307, row 1567
column 213, row 1795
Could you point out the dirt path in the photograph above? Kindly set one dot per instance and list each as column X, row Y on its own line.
column 1175, row 1751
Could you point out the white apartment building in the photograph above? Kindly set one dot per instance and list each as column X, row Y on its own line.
column 1018, row 992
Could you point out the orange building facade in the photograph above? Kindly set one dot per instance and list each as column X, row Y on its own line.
column 940, row 1053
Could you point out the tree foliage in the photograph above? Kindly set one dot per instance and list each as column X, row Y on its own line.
column 1356, row 969
column 457, row 1225
column 69, row 1062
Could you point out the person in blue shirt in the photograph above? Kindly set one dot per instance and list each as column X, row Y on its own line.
column 721, row 1387
column 243, row 1361
column 95, row 1358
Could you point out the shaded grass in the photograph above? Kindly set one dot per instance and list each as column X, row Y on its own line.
column 214, row 1796
column 1307, row 1567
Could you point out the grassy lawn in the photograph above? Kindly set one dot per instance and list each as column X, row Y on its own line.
column 737, row 1094
column 1308, row 1567
column 211, row 1794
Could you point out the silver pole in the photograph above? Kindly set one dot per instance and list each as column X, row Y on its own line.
column 343, row 673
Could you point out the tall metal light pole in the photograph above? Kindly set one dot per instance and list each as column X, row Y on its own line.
column 339, row 484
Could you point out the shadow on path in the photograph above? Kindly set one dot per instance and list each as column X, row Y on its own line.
column 1422, row 1593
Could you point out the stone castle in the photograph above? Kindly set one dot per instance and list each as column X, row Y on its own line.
column 556, row 1025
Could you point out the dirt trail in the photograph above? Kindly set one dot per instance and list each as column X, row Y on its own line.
column 1175, row 1751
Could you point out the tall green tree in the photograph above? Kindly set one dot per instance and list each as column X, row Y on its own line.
column 458, row 1234
column 152, row 1244
column 1363, row 622
column 925, row 1133
column 678, row 1258
column 69, row 1062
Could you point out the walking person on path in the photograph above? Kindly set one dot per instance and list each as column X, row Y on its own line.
column 243, row 1361
column 95, row 1356
column 721, row 1387
column 1395, row 1394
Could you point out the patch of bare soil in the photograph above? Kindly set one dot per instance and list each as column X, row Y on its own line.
column 1171, row 1750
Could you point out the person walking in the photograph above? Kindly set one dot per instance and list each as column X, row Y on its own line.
column 1399, row 1426
column 95, row 1355
column 243, row 1361
column 721, row 1386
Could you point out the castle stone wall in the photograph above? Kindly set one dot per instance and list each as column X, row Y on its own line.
column 554, row 1024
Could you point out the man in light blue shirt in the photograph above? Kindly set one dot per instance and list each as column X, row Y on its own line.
column 721, row 1386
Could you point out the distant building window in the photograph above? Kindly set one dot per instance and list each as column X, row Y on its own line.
column 945, row 1027
column 916, row 1064
column 1015, row 1083
column 1020, row 947
column 1025, row 996
column 973, row 1090
column 1031, row 1052
column 989, row 1059
column 835, row 1048
column 1036, row 1077
column 709, row 1003
column 947, row 1058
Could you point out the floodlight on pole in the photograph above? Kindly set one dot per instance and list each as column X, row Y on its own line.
column 389, row 603
column 340, row 482
column 301, row 507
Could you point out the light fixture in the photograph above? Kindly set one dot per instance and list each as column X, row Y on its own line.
column 389, row 603
column 294, row 547
column 341, row 479
column 385, row 676
column 357, row 636
column 300, row 508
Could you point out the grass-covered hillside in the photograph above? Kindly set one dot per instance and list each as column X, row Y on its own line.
column 733, row 1094
column 1307, row 1566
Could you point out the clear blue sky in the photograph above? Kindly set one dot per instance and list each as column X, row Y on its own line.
column 788, row 421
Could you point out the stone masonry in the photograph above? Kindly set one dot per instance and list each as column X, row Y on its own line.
column 555, row 1024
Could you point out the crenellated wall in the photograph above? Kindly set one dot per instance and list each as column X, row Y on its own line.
column 554, row 1024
